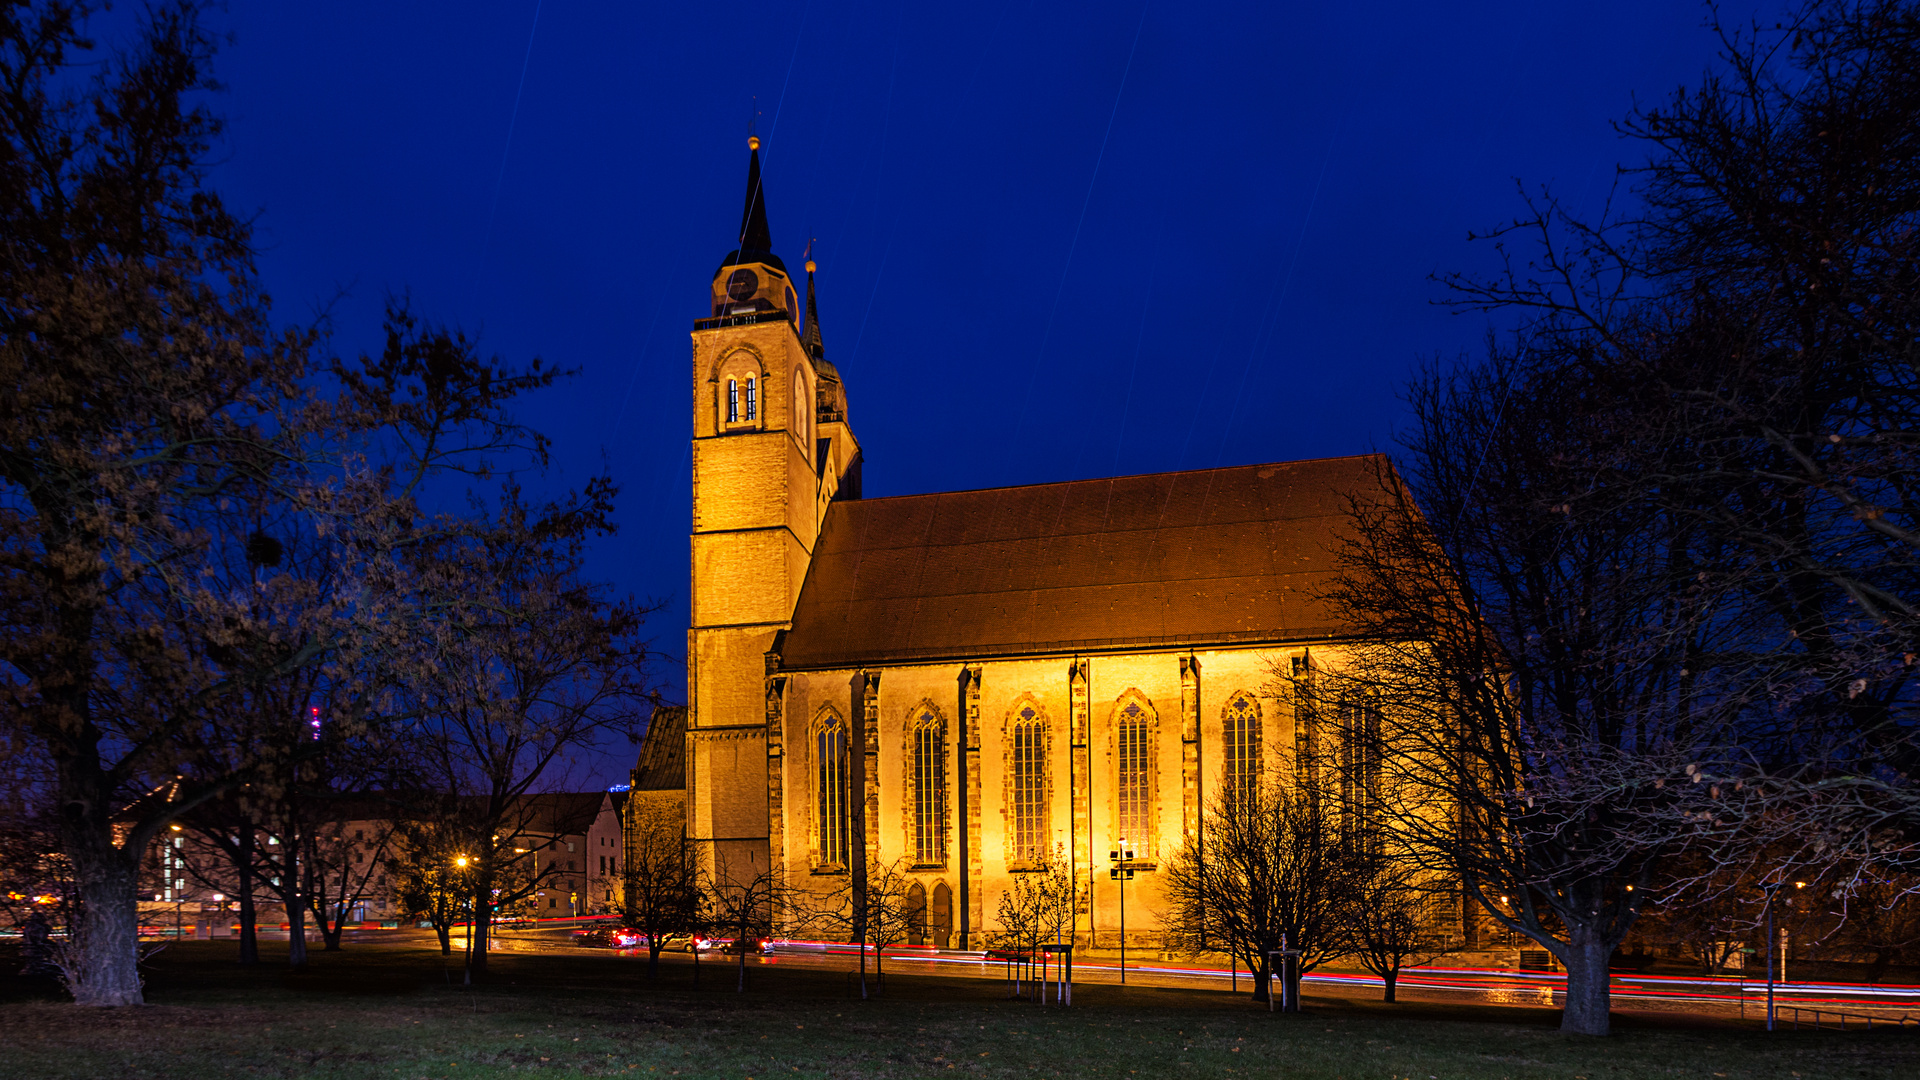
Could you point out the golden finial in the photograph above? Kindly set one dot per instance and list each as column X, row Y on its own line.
column 808, row 254
column 753, row 142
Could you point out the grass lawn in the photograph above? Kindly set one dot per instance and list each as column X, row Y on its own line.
column 391, row 1012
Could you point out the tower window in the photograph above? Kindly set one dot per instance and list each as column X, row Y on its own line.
column 1240, row 730
column 928, row 745
column 1136, row 773
column 750, row 408
column 733, row 401
column 830, row 763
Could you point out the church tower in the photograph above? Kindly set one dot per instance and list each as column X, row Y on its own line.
column 771, row 451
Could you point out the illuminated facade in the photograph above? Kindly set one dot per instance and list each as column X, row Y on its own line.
column 966, row 683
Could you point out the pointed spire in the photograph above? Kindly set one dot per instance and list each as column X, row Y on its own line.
column 753, row 220
column 810, row 330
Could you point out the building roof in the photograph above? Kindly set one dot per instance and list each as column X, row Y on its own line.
column 556, row 813
column 1215, row 556
column 663, row 752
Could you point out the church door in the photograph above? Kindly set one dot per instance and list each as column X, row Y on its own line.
column 916, row 916
column 942, row 921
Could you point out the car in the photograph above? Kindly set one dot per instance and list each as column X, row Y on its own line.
column 611, row 937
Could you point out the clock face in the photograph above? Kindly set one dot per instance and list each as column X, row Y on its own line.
column 742, row 283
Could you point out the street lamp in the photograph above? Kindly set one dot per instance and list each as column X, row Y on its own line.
column 1122, row 872
column 1772, row 941
column 460, row 862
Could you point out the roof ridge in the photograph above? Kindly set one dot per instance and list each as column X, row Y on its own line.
column 1123, row 476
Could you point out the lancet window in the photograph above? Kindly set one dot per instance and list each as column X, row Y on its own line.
column 1359, row 768
column 834, row 820
column 1134, row 735
column 733, row 401
column 1027, row 782
column 927, row 752
column 750, row 411
column 1240, row 736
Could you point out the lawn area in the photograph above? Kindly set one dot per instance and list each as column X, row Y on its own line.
column 393, row 1012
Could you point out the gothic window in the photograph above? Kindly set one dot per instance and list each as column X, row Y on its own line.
column 802, row 412
column 1135, row 731
column 927, row 758
column 1027, row 740
column 751, row 413
column 1240, row 732
column 733, row 401
column 1359, row 768
column 834, row 821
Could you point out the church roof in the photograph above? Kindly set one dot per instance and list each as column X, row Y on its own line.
column 662, row 764
column 1215, row 556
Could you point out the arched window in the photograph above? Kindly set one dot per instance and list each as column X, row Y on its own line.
column 1240, row 732
column 1133, row 737
column 1359, row 768
column 927, row 753
column 733, row 401
column 801, row 418
column 751, row 411
column 1027, row 781
column 830, row 789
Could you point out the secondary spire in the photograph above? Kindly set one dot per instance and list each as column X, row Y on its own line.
column 810, row 330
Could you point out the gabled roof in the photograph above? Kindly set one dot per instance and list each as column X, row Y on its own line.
column 663, row 752
column 1215, row 556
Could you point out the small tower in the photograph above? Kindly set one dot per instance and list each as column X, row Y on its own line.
column 771, row 451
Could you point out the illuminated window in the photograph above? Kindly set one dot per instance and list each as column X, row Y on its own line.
column 927, row 738
column 1359, row 768
column 750, row 413
column 802, row 407
column 1240, row 731
column 830, row 786
column 1135, row 787
column 1028, row 775
column 733, row 401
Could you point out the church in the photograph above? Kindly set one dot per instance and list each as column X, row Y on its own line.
column 964, row 684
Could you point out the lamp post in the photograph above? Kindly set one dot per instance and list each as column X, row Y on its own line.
column 460, row 863
column 1122, row 872
column 1773, row 942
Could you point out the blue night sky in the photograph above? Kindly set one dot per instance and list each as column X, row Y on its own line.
column 1056, row 240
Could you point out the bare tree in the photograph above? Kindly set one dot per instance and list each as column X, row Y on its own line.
column 157, row 411
column 662, row 890
column 524, row 662
column 1274, row 874
column 741, row 902
column 1036, row 911
column 873, row 910
column 1750, row 320
column 430, row 883
column 1389, row 920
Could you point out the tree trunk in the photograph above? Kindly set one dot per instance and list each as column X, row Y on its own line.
column 249, row 936
column 653, row 957
column 109, row 945
column 481, row 923
column 1262, row 978
column 330, row 931
column 445, row 930
column 742, row 944
column 1588, row 1002
column 296, row 931
column 1391, row 978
